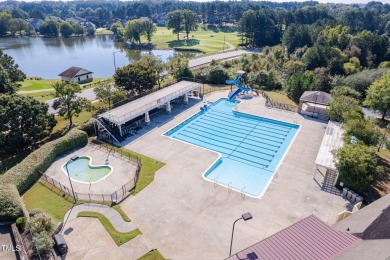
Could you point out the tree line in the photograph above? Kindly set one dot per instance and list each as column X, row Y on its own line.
column 372, row 16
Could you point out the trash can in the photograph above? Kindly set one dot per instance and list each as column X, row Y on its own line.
column 61, row 245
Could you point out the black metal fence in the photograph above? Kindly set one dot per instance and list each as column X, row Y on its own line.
column 115, row 197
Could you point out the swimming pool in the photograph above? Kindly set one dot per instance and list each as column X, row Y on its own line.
column 81, row 170
column 250, row 147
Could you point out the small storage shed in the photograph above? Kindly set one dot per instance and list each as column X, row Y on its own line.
column 314, row 104
column 76, row 74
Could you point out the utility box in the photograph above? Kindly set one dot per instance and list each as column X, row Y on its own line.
column 61, row 245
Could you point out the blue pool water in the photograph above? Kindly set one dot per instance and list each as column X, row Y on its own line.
column 251, row 147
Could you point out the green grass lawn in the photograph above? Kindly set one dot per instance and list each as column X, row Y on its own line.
column 39, row 196
column 206, row 41
column 149, row 167
column 152, row 255
column 280, row 98
column 118, row 237
column 33, row 84
column 102, row 31
column 83, row 117
column 45, row 84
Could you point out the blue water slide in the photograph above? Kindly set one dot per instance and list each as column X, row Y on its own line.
column 240, row 88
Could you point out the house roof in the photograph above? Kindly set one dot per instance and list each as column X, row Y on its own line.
column 318, row 97
column 363, row 220
column 310, row 238
column 72, row 71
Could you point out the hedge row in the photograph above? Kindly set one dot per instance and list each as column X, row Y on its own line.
column 89, row 127
column 26, row 173
column 10, row 203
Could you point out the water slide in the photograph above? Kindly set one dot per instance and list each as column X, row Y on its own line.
column 240, row 88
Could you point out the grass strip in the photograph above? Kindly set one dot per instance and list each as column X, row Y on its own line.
column 152, row 255
column 118, row 237
column 122, row 213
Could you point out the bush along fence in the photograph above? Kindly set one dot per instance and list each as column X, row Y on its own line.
column 271, row 103
column 115, row 197
column 20, row 177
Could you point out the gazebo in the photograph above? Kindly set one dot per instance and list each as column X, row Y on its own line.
column 314, row 104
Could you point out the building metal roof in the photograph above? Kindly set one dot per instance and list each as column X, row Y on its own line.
column 72, row 71
column 310, row 238
column 317, row 97
column 333, row 140
column 140, row 106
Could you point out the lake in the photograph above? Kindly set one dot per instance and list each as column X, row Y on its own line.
column 48, row 57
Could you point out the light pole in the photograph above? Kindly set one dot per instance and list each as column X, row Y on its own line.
column 245, row 217
column 113, row 54
column 74, row 158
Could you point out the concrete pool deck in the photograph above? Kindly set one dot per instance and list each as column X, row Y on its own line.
column 187, row 217
column 123, row 171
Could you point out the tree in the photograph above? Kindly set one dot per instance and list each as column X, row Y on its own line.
column 178, row 68
column 364, row 130
column 353, row 66
column 217, row 75
column 298, row 83
column 337, row 36
column 109, row 93
column 290, row 67
column 148, row 29
column 5, row 17
column 345, row 91
column 10, row 74
column 67, row 102
column 66, row 29
column 116, row 28
column 159, row 66
column 19, row 13
column 357, row 165
column 175, row 22
column 49, row 28
column 77, row 29
column 296, row 36
column 102, row 16
column 18, row 24
column 378, row 95
column 190, row 21
column 23, row 121
column 136, row 77
column 343, row 108
column 134, row 30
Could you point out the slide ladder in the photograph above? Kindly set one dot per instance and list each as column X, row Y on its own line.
column 240, row 88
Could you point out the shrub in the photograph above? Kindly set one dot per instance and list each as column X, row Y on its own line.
column 88, row 127
column 40, row 222
column 10, row 203
column 21, row 224
column 34, row 212
column 28, row 171
column 217, row 75
column 42, row 242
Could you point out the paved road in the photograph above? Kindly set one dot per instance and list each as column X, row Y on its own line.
column 89, row 94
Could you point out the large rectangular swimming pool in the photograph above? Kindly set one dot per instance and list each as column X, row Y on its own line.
column 251, row 147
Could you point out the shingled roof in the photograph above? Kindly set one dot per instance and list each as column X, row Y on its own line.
column 318, row 97
column 310, row 238
column 72, row 71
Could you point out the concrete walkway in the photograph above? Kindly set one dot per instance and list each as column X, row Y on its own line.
column 111, row 214
column 87, row 239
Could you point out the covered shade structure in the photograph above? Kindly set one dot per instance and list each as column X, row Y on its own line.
column 314, row 104
column 333, row 140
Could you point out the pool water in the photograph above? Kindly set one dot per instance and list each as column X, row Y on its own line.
column 251, row 147
column 82, row 171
